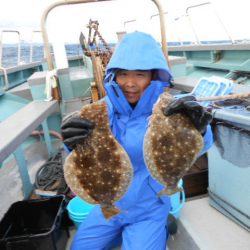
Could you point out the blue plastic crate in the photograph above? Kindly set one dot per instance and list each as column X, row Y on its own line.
column 226, row 85
column 211, row 86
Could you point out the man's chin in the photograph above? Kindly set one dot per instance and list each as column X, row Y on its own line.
column 132, row 101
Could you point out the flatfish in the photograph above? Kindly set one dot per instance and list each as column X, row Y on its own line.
column 99, row 170
column 171, row 145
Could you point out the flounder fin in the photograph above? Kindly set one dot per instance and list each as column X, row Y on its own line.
column 169, row 191
column 110, row 211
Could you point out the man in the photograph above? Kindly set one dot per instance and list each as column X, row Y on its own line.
column 136, row 76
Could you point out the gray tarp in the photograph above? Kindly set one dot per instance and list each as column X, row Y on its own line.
column 233, row 144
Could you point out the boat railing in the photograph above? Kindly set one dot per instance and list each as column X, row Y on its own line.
column 129, row 22
column 18, row 45
column 14, row 71
column 6, row 80
column 188, row 15
column 32, row 45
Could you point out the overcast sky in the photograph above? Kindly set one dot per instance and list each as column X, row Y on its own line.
column 66, row 22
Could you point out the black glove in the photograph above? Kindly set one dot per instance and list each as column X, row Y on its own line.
column 188, row 106
column 75, row 130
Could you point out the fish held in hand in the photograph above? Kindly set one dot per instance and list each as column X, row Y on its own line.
column 99, row 170
column 171, row 145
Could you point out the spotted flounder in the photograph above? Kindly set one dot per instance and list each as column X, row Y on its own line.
column 171, row 145
column 99, row 170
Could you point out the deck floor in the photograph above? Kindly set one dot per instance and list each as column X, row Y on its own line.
column 201, row 227
column 212, row 230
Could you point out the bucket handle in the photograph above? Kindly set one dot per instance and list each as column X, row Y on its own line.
column 183, row 198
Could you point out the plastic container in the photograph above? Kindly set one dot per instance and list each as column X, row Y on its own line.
column 210, row 86
column 34, row 224
column 177, row 201
column 226, row 85
column 78, row 210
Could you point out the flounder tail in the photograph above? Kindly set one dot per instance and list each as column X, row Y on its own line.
column 169, row 191
column 109, row 211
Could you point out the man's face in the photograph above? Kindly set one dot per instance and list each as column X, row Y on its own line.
column 133, row 83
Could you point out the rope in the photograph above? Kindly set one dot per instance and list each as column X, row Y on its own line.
column 50, row 83
column 224, row 97
column 50, row 176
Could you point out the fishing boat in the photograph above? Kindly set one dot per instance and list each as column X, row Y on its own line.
column 213, row 209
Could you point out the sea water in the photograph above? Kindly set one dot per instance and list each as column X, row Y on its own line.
column 10, row 53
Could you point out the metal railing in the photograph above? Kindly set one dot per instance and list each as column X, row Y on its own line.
column 6, row 80
column 32, row 45
column 127, row 22
column 18, row 45
column 188, row 15
column 176, row 30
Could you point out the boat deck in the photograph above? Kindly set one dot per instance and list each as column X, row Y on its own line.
column 208, row 229
column 201, row 227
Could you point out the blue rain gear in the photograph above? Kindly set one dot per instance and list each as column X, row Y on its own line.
column 139, row 50
column 143, row 222
column 142, row 226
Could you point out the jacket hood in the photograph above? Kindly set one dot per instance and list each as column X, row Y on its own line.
column 139, row 51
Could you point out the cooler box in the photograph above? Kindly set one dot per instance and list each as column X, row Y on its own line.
column 34, row 225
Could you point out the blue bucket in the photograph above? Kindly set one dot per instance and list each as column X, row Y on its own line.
column 177, row 201
column 83, row 217
column 77, row 223
column 78, row 210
